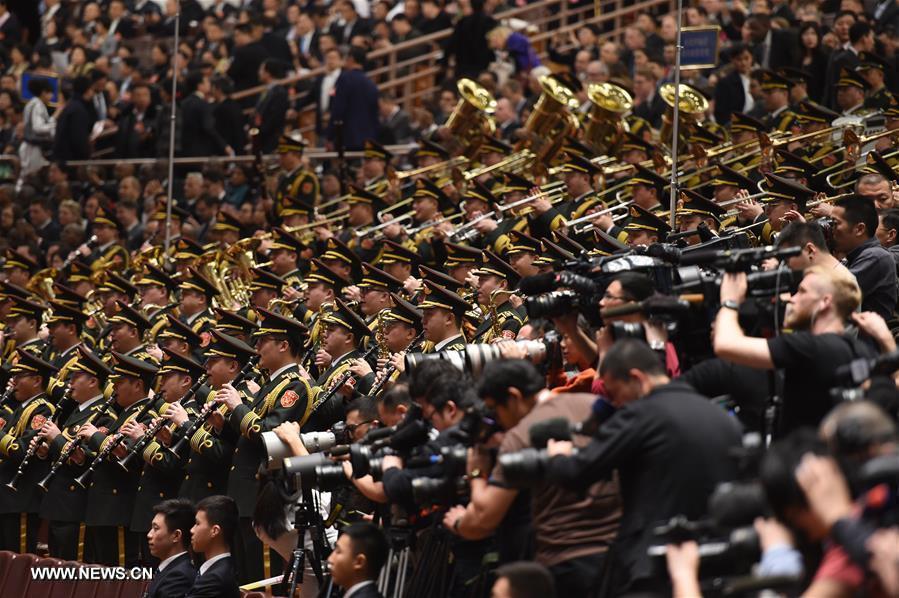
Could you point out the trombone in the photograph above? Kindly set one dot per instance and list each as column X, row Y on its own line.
column 400, row 175
column 332, row 219
column 466, row 231
column 360, row 234
column 592, row 216
column 515, row 162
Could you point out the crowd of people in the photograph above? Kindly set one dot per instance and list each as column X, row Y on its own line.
column 477, row 359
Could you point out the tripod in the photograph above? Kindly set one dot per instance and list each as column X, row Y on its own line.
column 401, row 538
column 308, row 518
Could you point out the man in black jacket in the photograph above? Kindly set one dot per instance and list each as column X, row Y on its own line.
column 73, row 129
column 271, row 109
column 229, row 118
column 249, row 54
column 669, row 446
column 169, row 540
column 199, row 136
column 468, row 42
column 213, row 535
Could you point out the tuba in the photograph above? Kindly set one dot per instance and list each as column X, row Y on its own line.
column 551, row 120
column 691, row 109
column 608, row 105
column 471, row 118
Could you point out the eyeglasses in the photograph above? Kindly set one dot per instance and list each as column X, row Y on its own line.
column 353, row 427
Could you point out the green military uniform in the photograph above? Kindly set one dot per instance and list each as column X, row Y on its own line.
column 19, row 508
column 112, row 491
column 65, row 502
column 285, row 397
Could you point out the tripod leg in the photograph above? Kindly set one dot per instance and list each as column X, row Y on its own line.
column 384, row 577
column 404, row 568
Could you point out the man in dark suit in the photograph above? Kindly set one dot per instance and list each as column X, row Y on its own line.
column 321, row 91
column 396, row 125
column 669, row 445
column 137, row 136
column 10, row 28
column 198, row 134
column 651, row 106
column 271, row 109
column 212, row 536
column 732, row 91
column 357, row 559
column 73, row 128
column 169, row 540
column 468, row 42
column 305, row 38
column 349, row 25
column 249, row 54
column 771, row 48
column 355, row 103
column 228, row 115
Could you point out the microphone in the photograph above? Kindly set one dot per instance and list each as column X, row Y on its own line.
column 654, row 306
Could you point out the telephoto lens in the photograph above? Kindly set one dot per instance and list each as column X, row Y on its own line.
column 525, row 468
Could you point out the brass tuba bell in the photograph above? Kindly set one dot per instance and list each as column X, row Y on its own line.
column 551, row 120
column 471, row 119
column 608, row 105
column 691, row 109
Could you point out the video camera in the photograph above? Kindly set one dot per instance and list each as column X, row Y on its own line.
column 473, row 358
column 315, row 442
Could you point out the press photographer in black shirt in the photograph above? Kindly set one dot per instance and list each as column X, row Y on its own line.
column 810, row 355
column 669, row 446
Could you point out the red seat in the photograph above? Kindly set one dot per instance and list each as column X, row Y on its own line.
column 18, row 577
column 132, row 588
column 49, row 589
column 88, row 588
column 5, row 558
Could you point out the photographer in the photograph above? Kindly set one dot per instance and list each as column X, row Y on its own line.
column 669, row 446
column 809, row 238
column 855, row 225
column 572, row 530
column 810, row 355
column 578, row 372
column 444, row 396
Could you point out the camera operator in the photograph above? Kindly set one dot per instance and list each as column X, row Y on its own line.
column 888, row 233
column 576, row 373
column 855, row 225
column 810, row 355
column 446, row 397
column 670, row 448
column 627, row 287
column 809, row 237
column 573, row 530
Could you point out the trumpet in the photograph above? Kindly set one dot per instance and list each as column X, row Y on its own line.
column 36, row 445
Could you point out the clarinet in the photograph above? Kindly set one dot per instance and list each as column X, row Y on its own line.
column 73, row 444
column 344, row 378
column 209, row 407
column 33, row 448
column 390, row 368
column 142, row 443
column 116, row 440
column 6, row 395
column 90, row 244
